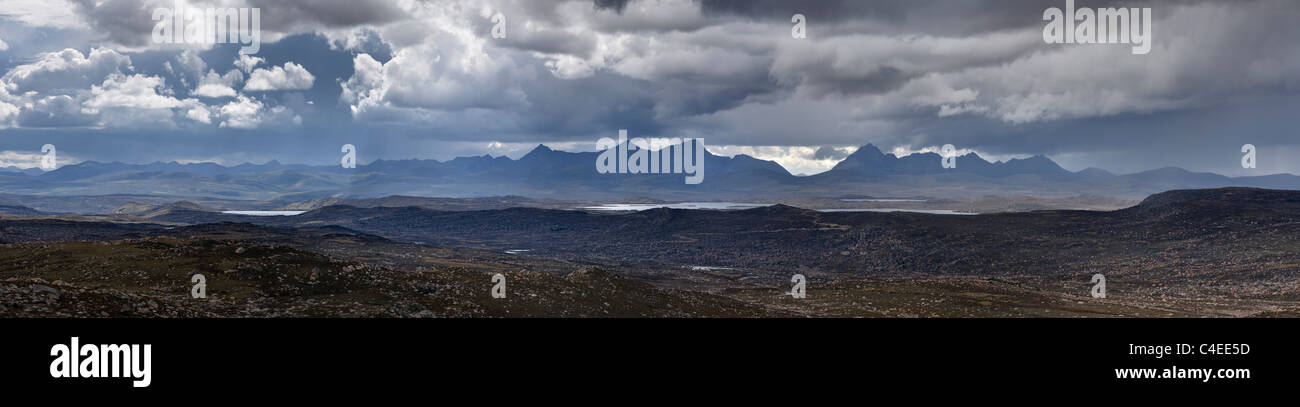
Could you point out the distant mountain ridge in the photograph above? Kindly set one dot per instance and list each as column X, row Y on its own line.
column 551, row 174
column 869, row 160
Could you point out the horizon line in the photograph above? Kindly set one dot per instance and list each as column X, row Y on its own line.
column 549, row 148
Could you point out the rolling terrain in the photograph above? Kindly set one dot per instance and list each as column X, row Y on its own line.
column 1219, row 252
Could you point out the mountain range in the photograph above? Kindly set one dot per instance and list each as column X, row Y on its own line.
column 553, row 174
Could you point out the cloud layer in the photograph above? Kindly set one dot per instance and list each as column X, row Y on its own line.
column 912, row 75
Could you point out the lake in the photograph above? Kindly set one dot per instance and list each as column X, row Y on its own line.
column 880, row 200
column 264, row 213
column 681, row 205
column 745, row 205
column 929, row 211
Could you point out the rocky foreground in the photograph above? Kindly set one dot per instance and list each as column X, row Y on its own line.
column 1205, row 253
column 154, row 277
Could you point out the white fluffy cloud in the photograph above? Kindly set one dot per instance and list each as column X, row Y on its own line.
column 65, row 72
column 134, row 92
column 199, row 112
column 241, row 113
column 217, row 86
column 290, row 76
column 101, row 89
column 246, row 113
column 366, row 87
column 8, row 113
column 248, row 62
column 797, row 160
column 214, row 90
column 44, row 13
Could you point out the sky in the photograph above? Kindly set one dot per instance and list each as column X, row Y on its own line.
column 428, row 79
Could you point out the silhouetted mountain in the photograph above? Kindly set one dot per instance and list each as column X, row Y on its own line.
column 545, row 173
column 869, row 161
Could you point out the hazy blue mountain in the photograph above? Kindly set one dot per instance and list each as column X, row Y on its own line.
column 12, row 170
column 548, row 173
column 1094, row 172
column 869, row 161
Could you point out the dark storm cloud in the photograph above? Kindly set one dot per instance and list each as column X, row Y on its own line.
column 550, row 41
column 131, row 23
column 285, row 14
column 829, row 153
column 935, row 17
column 909, row 74
column 616, row 5
column 126, row 22
column 882, row 79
